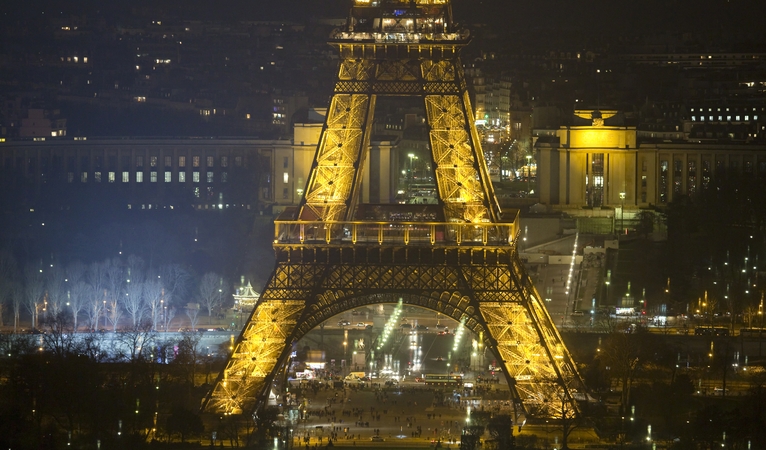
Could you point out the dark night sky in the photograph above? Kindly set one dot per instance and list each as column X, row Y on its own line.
column 601, row 16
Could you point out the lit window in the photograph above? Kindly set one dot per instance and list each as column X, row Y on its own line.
column 195, row 161
column 83, row 177
column 97, row 177
column 209, row 177
column 210, row 161
column 224, row 161
column 139, row 177
column 153, row 161
column 181, row 161
column 285, row 177
column 126, row 177
column 195, row 177
column 153, row 177
column 224, row 177
column 168, row 176
column 111, row 177
column 182, row 177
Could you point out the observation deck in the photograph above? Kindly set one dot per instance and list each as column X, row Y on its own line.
column 289, row 232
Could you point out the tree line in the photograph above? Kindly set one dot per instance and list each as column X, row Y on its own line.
column 106, row 295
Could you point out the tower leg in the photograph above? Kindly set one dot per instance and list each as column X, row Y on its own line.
column 260, row 348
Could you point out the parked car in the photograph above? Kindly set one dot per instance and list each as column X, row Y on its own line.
column 343, row 323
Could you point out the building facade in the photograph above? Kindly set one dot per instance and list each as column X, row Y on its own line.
column 208, row 173
column 603, row 165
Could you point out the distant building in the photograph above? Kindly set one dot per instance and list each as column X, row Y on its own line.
column 207, row 173
column 599, row 161
column 41, row 123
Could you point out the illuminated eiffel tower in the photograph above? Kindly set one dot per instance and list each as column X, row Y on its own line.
column 462, row 261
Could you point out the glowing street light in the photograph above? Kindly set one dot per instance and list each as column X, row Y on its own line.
column 529, row 173
column 411, row 156
column 622, row 210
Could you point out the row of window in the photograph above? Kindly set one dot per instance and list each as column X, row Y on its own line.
column 721, row 118
column 97, row 162
column 744, row 109
column 691, row 175
column 111, row 177
column 196, row 161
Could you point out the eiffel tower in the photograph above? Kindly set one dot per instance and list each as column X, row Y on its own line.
column 460, row 260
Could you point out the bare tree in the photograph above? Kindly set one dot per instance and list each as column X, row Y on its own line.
column 138, row 340
column 135, row 269
column 188, row 353
column 55, row 284
column 17, row 298
column 115, row 281
column 167, row 316
column 133, row 300
column 749, row 314
column 95, row 306
column 5, row 295
column 176, row 280
column 33, row 292
column 113, row 312
column 565, row 409
column 623, row 354
column 58, row 337
column 79, row 297
column 76, row 272
column 192, row 313
column 97, row 274
column 211, row 292
column 99, row 279
column 154, row 301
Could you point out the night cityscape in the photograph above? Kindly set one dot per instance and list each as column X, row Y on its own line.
column 403, row 224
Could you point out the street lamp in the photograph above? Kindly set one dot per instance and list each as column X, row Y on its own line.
column 411, row 156
column 622, row 210
column 529, row 173
column 760, row 330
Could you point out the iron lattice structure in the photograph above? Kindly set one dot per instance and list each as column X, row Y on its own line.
column 466, row 267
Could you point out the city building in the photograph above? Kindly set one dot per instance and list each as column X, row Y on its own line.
column 208, row 173
column 601, row 161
